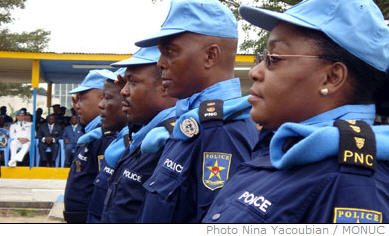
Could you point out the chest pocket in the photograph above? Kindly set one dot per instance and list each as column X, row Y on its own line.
column 161, row 198
column 102, row 178
column 163, row 183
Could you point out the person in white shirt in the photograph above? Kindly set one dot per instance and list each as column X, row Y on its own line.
column 20, row 133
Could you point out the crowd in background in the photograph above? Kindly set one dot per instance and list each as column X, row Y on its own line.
column 48, row 131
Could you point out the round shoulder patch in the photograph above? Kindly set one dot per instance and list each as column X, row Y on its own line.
column 189, row 127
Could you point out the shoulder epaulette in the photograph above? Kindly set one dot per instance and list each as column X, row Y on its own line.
column 169, row 124
column 211, row 110
column 357, row 144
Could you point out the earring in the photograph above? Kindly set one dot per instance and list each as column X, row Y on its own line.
column 324, row 91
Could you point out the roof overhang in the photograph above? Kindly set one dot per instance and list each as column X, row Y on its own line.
column 16, row 67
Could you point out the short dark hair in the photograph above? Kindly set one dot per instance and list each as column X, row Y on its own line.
column 367, row 79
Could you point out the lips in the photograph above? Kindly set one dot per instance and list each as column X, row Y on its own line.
column 166, row 82
column 126, row 107
column 254, row 96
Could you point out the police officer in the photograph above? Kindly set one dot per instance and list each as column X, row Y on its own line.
column 90, row 147
column 213, row 131
column 114, row 120
column 314, row 90
column 148, row 106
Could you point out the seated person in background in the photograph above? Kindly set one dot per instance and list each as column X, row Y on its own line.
column 48, row 135
column 39, row 120
column 20, row 132
column 70, row 136
column 7, row 118
column 28, row 118
column 3, row 123
column 59, row 115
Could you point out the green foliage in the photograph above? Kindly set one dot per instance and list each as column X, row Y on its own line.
column 24, row 91
column 13, row 89
column 34, row 41
column 5, row 9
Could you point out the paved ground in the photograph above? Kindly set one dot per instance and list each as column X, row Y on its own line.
column 25, row 196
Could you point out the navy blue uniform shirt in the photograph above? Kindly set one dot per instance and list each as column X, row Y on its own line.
column 111, row 155
column 191, row 171
column 83, row 171
column 322, row 191
column 126, row 193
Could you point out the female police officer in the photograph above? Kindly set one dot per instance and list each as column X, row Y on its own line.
column 314, row 93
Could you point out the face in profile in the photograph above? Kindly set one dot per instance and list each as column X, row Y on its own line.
column 87, row 105
column 112, row 116
column 180, row 64
column 286, row 89
column 141, row 93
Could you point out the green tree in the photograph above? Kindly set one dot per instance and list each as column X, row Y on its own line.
column 22, row 90
column 34, row 41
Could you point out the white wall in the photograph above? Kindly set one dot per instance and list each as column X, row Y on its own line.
column 14, row 103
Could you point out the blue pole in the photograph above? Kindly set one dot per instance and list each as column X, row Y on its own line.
column 32, row 147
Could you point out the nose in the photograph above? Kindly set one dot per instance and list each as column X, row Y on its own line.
column 101, row 104
column 125, row 91
column 257, row 72
column 162, row 63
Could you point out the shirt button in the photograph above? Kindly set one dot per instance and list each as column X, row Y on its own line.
column 152, row 183
column 216, row 216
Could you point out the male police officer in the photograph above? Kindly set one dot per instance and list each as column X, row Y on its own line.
column 115, row 120
column 90, row 146
column 148, row 105
column 213, row 131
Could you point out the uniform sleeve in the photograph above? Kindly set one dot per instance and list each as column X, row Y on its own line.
column 223, row 149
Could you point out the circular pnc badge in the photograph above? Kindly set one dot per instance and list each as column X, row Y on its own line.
column 189, row 127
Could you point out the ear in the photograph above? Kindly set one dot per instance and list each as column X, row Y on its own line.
column 213, row 53
column 336, row 78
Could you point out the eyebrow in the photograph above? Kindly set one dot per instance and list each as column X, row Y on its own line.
column 273, row 42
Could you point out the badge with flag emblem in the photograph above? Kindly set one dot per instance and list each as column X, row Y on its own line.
column 216, row 167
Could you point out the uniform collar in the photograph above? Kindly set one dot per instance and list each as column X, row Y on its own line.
column 116, row 148
column 260, row 154
column 319, row 139
column 223, row 90
column 93, row 124
column 138, row 137
column 346, row 112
